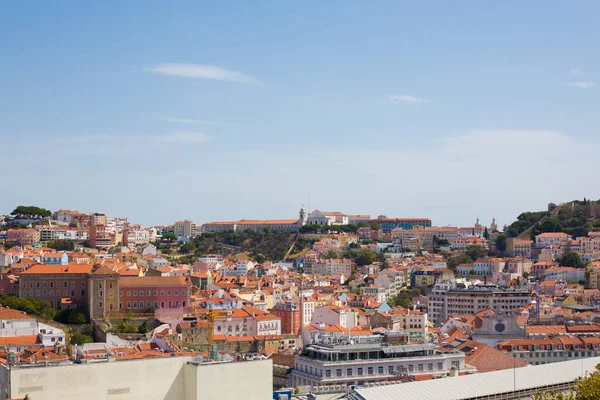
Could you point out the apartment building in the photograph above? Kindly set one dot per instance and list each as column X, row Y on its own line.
column 550, row 350
column 476, row 298
column 359, row 359
column 518, row 247
column 329, row 266
column 100, row 237
column 63, row 286
column 23, row 237
column 436, row 306
column 290, row 317
column 548, row 238
column 184, row 229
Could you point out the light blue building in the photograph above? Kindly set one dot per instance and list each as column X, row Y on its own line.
column 55, row 258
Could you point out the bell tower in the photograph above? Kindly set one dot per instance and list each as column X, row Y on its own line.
column 302, row 217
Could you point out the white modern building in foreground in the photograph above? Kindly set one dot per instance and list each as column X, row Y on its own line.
column 343, row 361
column 165, row 378
column 507, row 384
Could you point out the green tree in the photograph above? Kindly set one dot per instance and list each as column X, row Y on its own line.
column 188, row 247
column 88, row 330
column 126, row 327
column 61, row 245
column 79, row 338
column 486, row 234
column 31, row 212
column 332, row 254
column 169, row 237
column 29, row 305
column 143, row 328
column 501, row 242
column 77, row 316
column 365, row 257
column 551, row 225
column 475, row 252
column 571, row 259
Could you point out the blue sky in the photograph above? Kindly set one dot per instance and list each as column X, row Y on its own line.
column 160, row 111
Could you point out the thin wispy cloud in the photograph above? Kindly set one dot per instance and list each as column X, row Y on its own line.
column 575, row 72
column 199, row 71
column 142, row 139
column 184, row 137
column 190, row 121
column 405, row 98
column 580, row 85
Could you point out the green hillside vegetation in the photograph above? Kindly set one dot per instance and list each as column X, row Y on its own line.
column 261, row 245
column 576, row 218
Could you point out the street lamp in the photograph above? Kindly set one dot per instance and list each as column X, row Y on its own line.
column 11, row 359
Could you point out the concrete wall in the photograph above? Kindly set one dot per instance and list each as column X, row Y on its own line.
column 168, row 378
column 252, row 380
column 138, row 379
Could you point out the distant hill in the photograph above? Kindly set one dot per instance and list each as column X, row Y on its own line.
column 575, row 218
column 260, row 245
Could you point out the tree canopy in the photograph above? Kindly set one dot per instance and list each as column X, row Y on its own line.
column 169, row 237
column 188, row 247
column 61, row 244
column 29, row 305
column 571, row 259
column 364, row 257
column 501, row 242
column 31, row 212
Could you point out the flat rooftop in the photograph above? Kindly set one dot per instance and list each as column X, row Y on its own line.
column 484, row 385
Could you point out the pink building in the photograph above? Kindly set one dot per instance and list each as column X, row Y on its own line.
column 145, row 292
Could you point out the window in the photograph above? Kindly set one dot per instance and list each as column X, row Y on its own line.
column 156, row 292
column 129, row 305
column 349, row 372
column 420, row 367
column 218, row 328
column 110, row 293
column 82, row 292
column 429, row 367
column 129, row 293
column 440, row 366
column 370, row 370
column 380, row 370
column 360, row 371
column 148, row 293
column 327, row 373
column 99, row 285
column 100, row 293
column 168, row 293
column 110, row 285
column 135, row 293
column 390, row 369
column 65, row 284
column 51, row 284
column 338, row 372
column 100, row 304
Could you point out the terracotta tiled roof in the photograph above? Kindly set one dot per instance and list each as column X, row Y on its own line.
column 148, row 281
